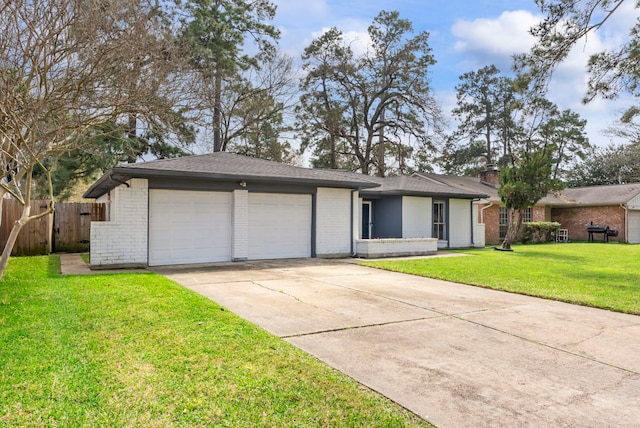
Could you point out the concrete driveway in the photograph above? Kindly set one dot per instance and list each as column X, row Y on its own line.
column 458, row 356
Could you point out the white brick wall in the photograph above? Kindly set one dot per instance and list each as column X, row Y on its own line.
column 240, row 224
column 460, row 227
column 416, row 217
column 333, row 222
column 123, row 240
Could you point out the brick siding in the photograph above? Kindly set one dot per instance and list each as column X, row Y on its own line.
column 123, row 241
column 577, row 219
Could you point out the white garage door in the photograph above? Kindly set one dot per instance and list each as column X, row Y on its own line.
column 189, row 227
column 279, row 226
column 634, row 227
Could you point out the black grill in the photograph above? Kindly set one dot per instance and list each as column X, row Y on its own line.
column 605, row 230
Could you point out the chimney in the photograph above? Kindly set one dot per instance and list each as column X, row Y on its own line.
column 490, row 176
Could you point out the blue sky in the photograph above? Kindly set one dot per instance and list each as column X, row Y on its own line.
column 464, row 35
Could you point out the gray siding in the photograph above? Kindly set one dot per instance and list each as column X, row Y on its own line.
column 387, row 217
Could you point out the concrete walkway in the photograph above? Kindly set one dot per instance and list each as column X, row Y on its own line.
column 458, row 356
column 72, row 264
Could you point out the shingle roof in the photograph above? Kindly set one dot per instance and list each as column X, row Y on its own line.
column 469, row 184
column 579, row 196
column 407, row 185
column 600, row 195
column 228, row 166
column 225, row 166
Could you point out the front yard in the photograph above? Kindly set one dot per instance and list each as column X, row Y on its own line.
column 140, row 350
column 600, row 275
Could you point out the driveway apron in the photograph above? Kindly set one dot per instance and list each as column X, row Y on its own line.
column 456, row 355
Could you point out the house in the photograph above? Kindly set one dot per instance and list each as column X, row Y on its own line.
column 616, row 206
column 226, row 207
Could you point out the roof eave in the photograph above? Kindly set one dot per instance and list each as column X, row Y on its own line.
column 117, row 175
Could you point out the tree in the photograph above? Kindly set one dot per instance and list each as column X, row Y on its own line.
column 65, row 72
column 565, row 130
column 486, row 101
column 522, row 185
column 566, row 23
column 613, row 164
column 256, row 104
column 217, row 32
column 527, row 175
column 321, row 113
column 371, row 108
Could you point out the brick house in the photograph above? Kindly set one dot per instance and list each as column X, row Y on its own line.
column 616, row 206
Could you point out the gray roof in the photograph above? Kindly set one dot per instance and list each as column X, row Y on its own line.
column 230, row 167
column 578, row 196
column 226, row 166
column 614, row 194
column 468, row 184
column 415, row 186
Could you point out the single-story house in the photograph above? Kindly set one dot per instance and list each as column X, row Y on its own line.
column 226, row 207
column 616, row 206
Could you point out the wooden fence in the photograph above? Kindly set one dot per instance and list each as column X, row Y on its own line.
column 67, row 230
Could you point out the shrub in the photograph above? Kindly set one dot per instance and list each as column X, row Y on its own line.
column 539, row 231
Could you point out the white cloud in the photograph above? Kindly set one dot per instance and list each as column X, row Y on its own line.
column 494, row 41
column 503, row 36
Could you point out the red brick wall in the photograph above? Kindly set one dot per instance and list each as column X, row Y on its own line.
column 578, row 218
column 492, row 221
column 539, row 213
column 491, row 224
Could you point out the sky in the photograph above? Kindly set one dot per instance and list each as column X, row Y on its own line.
column 466, row 35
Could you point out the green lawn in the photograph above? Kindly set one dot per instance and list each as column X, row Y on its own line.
column 594, row 274
column 140, row 350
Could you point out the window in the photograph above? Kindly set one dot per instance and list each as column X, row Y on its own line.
column 504, row 219
column 439, row 223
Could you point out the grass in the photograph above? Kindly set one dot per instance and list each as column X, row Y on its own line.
column 600, row 275
column 140, row 350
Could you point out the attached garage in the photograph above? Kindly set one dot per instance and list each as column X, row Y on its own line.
column 223, row 207
column 279, row 226
column 634, row 227
column 189, row 227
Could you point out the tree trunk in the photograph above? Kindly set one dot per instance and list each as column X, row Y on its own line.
column 13, row 236
column 513, row 228
column 380, row 149
column 132, row 134
column 217, row 111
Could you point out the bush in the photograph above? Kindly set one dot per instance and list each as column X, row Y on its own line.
column 539, row 231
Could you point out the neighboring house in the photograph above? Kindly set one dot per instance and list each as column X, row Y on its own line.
column 226, row 207
column 616, row 206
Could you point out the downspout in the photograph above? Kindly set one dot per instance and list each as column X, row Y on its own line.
column 473, row 241
column 482, row 211
column 626, row 222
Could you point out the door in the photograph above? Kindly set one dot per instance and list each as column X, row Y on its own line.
column 189, row 227
column 366, row 220
column 279, row 226
column 439, row 220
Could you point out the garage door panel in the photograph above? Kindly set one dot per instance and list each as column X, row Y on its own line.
column 189, row 227
column 279, row 226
